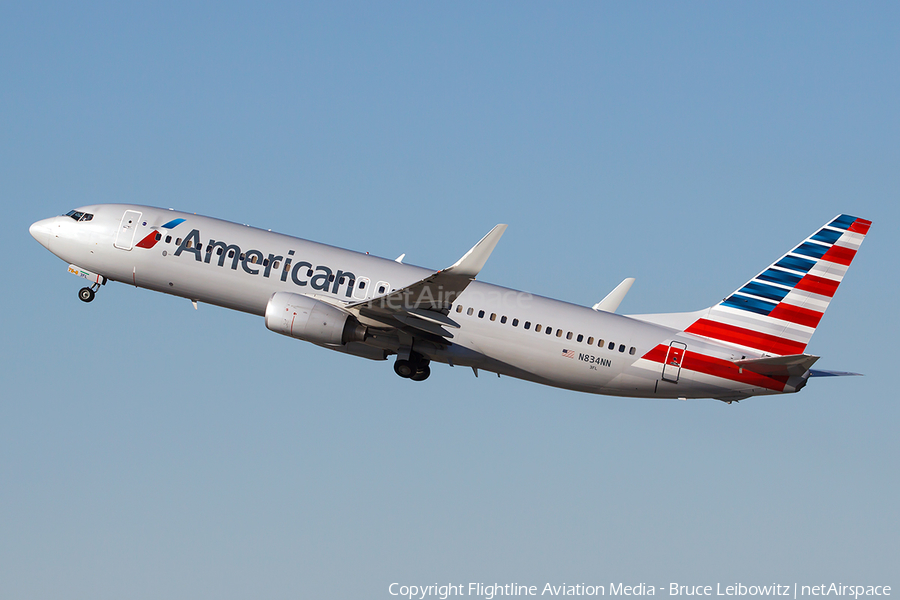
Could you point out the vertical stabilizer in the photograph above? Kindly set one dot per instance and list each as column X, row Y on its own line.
column 777, row 311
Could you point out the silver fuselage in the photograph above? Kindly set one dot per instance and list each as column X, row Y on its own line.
column 622, row 365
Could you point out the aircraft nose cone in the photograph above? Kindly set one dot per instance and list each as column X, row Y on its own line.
column 41, row 232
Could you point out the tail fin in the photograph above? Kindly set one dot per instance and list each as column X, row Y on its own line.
column 777, row 311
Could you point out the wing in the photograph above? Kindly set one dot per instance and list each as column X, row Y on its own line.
column 424, row 304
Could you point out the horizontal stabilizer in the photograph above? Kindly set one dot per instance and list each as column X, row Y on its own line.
column 795, row 365
column 615, row 297
column 818, row 373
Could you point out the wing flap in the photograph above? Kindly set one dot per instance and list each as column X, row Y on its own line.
column 422, row 325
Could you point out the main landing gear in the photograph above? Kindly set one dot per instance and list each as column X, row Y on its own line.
column 416, row 368
column 86, row 294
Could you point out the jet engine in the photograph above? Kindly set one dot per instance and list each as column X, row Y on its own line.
column 313, row 321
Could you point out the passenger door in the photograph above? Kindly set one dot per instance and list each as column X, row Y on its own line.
column 674, row 359
column 127, row 229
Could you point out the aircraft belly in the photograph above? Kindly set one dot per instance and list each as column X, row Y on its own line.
column 221, row 287
column 541, row 363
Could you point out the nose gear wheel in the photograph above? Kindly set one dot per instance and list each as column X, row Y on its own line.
column 86, row 294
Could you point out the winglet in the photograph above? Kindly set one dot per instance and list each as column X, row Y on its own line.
column 614, row 298
column 473, row 261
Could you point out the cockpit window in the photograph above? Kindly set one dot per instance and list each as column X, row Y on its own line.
column 79, row 216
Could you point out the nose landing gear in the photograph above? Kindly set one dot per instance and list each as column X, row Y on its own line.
column 86, row 294
column 415, row 369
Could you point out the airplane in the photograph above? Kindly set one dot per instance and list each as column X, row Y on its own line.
column 752, row 343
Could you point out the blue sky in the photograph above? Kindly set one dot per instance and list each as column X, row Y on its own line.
column 149, row 450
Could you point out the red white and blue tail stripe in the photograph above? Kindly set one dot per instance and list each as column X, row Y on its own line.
column 777, row 311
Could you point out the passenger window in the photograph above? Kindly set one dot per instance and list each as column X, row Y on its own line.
column 515, row 322
column 470, row 311
column 621, row 347
column 254, row 259
column 537, row 327
column 243, row 256
column 631, row 351
column 549, row 330
column 527, row 324
column 503, row 319
column 493, row 316
column 362, row 284
column 590, row 341
column 178, row 242
column 600, row 342
column 158, row 236
column 276, row 265
column 480, row 314
column 168, row 239
column 190, row 244
column 569, row 336
column 231, row 253
column 380, row 289
column 612, row 346
column 459, row 308
column 199, row 246
column 580, row 338
column 331, row 277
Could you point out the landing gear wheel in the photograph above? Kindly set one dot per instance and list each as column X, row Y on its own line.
column 404, row 368
column 421, row 374
column 85, row 294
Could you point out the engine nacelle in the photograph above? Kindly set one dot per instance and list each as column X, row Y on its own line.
column 308, row 319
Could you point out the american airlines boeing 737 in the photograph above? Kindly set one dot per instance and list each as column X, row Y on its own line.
column 751, row 343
